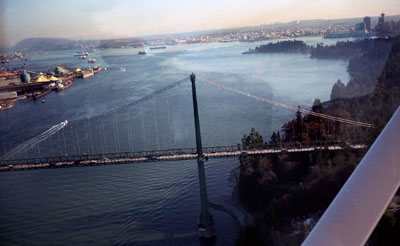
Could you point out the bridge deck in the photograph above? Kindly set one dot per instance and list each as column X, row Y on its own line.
column 150, row 156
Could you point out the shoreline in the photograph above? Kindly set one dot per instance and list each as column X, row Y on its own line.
column 44, row 84
column 231, row 205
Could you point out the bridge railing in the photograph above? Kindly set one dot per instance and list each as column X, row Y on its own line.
column 170, row 154
column 291, row 145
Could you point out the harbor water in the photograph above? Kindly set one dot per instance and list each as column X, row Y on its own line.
column 150, row 203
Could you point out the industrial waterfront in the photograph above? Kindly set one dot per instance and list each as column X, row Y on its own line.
column 18, row 83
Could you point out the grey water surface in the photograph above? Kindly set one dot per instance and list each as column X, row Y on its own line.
column 149, row 203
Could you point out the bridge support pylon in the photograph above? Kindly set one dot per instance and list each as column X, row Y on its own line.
column 206, row 224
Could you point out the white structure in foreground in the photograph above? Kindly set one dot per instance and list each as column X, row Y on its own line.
column 357, row 208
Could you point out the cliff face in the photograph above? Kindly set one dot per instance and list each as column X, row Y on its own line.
column 355, row 88
column 365, row 67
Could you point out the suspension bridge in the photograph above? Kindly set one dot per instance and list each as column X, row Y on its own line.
column 103, row 139
column 99, row 139
column 162, row 155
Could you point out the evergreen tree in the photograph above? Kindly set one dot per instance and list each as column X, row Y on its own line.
column 274, row 139
column 278, row 139
column 299, row 126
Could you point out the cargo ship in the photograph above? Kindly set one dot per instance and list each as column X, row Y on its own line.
column 158, row 47
column 87, row 74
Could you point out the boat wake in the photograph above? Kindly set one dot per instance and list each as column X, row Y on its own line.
column 29, row 144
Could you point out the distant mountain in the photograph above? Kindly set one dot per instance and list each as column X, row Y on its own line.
column 53, row 44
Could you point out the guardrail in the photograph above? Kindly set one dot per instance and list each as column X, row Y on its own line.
column 156, row 155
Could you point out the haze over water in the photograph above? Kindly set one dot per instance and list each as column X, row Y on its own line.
column 151, row 203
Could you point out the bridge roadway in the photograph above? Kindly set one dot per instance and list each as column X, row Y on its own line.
column 152, row 156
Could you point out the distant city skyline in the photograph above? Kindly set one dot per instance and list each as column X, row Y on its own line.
column 100, row 19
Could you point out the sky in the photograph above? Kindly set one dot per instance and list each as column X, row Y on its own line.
column 98, row 19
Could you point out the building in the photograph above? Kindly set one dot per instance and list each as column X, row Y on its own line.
column 381, row 19
column 360, row 27
column 8, row 95
column 367, row 23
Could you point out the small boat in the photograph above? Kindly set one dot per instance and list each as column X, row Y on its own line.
column 59, row 87
column 63, row 85
column 43, row 101
column 82, row 57
column 97, row 69
column 158, row 47
column 83, row 53
column 142, row 52
column 91, row 60
column 122, row 69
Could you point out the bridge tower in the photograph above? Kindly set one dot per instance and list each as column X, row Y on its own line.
column 206, row 220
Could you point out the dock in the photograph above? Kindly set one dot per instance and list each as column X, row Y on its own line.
column 43, row 83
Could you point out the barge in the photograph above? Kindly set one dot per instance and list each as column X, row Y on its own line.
column 158, row 47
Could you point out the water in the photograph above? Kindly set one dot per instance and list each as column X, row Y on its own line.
column 144, row 204
column 152, row 203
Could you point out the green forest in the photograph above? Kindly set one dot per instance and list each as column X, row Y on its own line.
column 281, row 46
column 288, row 192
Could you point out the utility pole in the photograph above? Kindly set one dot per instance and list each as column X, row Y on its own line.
column 206, row 220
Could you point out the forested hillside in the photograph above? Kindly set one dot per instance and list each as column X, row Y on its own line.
column 289, row 192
